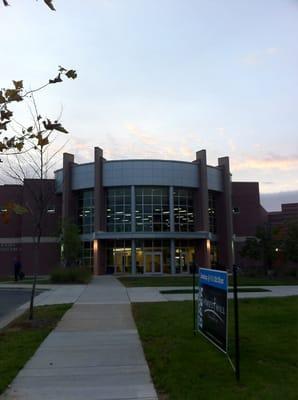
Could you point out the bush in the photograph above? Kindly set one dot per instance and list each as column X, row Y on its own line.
column 71, row 275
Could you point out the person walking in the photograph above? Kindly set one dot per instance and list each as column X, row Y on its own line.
column 17, row 269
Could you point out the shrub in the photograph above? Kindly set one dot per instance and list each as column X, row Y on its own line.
column 71, row 275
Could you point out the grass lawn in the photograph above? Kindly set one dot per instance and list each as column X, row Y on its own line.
column 20, row 339
column 187, row 367
column 28, row 281
column 187, row 281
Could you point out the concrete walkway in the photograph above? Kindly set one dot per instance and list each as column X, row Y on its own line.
column 93, row 354
column 153, row 294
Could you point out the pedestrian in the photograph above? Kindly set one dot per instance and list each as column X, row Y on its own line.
column 17, row 268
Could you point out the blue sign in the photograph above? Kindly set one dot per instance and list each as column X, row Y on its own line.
column 212, row 306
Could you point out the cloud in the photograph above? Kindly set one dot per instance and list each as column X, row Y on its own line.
column 144, row 137
column 269, row 162
column 260, row 57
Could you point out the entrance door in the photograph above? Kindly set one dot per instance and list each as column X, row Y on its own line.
column 153, row 263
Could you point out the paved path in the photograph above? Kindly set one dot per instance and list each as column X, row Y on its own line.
column 153, row 294
column 94, row 353
column 54, row 294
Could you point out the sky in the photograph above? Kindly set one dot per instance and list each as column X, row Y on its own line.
column 165, row 78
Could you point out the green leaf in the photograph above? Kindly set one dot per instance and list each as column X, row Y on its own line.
column 18, row 85
column 6, row 114
column 71, row 74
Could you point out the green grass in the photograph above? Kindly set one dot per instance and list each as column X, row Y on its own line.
column 189, row 291
column 187, row 281
column 26, row 281
column 20, row 339
column 187, row 367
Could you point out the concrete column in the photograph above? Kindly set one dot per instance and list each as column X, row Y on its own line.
column 203, row 256
column 68, row 161
column 99, row 213
column 224, row 215
column 133, row 209
column 99, row 257
column 133, row 257
column 201, row 196
column 173, row 261
column 99, row 200
column 171, row 204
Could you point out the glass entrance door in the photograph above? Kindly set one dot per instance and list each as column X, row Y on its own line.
column 153, row 263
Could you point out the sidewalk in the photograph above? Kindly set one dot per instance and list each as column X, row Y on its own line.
column 93, row 354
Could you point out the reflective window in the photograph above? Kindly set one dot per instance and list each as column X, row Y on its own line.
column 212, row 212
column 153, row 256
column 119, row 209
column 184, row 255
column 214, row 254
column 183, row 210
column 119, row 256
column 152, row 209
column 87, row 254
column 86, row 211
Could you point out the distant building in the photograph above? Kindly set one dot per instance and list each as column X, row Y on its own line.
column 288, row 213
column 138, row 216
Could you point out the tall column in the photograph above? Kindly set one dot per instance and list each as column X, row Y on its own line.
column 99, row 200
column 224, row 215
column 99, row 212
column 202, row 256
column 68, row 160
column 173, row 260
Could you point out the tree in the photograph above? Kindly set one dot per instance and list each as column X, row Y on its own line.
column 23, row 139
column 262, row 247
column 32, row 159
column 49, row 3
column 290, row 241
column 70, row 243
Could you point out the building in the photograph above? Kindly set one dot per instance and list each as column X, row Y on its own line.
column 138, row 216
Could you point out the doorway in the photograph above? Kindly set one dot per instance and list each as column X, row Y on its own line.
column 153, row 262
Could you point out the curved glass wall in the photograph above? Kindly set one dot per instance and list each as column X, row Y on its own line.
column 152, row 209
column 119, row 209
column 183, row 210
column 86, row 211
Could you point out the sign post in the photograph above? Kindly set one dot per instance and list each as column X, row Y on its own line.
column 212, row 308
column 237, row 351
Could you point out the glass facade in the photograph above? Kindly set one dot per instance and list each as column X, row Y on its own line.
column 152, row 209
column 119, row 256
column 87, row 254
column 183, row 210
column 184, row 255
column 153, row 256
column 86, row 211
column 119, row 209
column 212, row 212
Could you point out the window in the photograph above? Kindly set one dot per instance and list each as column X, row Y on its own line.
column 86, row 211
column 183, row 210
column 119, row 209
column 152, row 209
